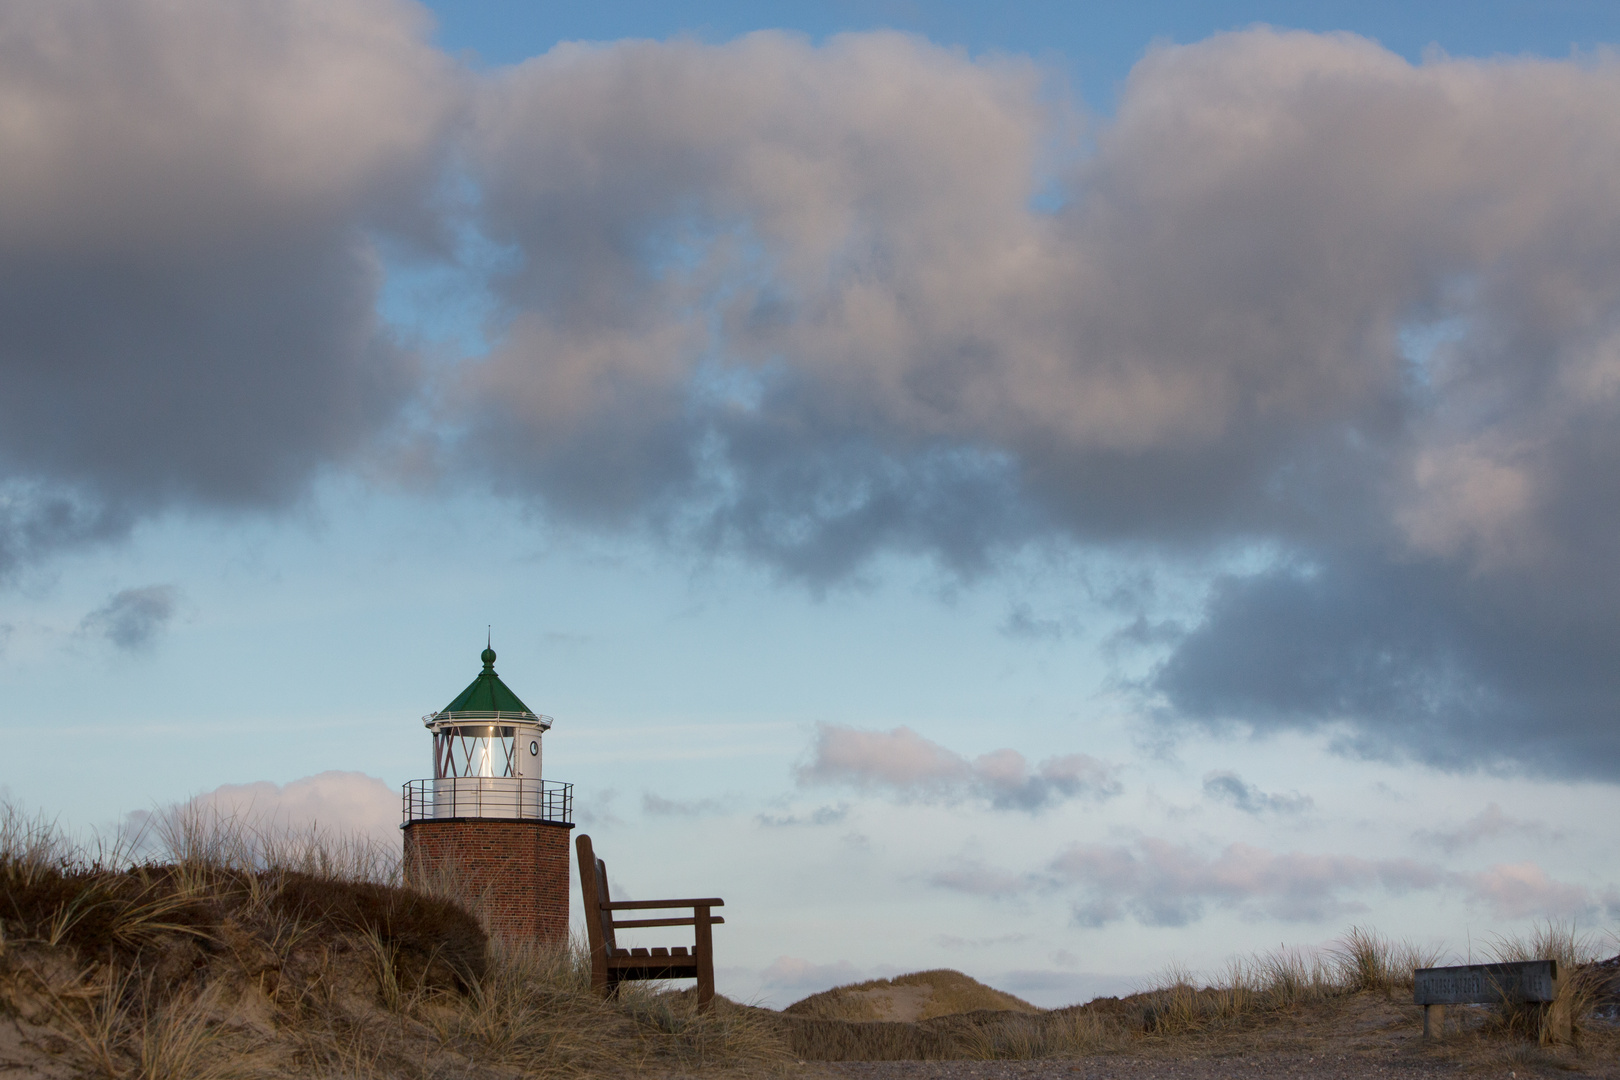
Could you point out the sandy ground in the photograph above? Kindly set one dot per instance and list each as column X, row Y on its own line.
column 1127, row 1068
column 1374, row 1038
column 1259, row 1067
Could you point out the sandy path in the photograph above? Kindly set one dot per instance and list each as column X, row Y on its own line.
column 1267, row 1067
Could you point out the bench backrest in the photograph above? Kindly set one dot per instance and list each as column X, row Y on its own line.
column 593, row 886
column 1483, row 984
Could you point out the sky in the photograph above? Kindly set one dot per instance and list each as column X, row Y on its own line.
column 1055, row 491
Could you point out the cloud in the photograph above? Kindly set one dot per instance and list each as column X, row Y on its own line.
column 809, row 303
column 657, row 806
column 1022, row 624
column 822, row 815
column 1524, row 890
column 710, row 326
column 597, row 811
column 912, row 767
column 1159, row 883
column 1303, row 297
column 335, row 803
column 1488, row 824
column 132, row 618
column 802, row 976
column 187, row 269
column 974, row 877
column 1229, row 787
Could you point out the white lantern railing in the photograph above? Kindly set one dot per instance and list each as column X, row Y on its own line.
column 502, row 797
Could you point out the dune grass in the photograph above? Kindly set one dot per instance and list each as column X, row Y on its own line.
column 235, row 950
column 921, row 995
column 1362, row 961
column 1251, row 988
column 1310, row 992
column 1580, row 985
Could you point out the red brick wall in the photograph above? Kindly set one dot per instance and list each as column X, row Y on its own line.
column 514, row 872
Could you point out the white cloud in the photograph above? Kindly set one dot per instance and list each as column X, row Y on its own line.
column 1524, row 890
column 334, row 803
column 908, row 765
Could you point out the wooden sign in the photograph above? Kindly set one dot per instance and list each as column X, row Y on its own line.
column 1483, row 984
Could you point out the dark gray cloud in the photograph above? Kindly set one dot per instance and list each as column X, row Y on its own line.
column 132, row 618
column 1229, row 787
column 1409, row 660
column 187, row 279
column 1022, row 623
column 38, row 519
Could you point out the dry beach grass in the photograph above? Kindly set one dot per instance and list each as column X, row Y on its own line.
column 921, row 995
column 235, row 952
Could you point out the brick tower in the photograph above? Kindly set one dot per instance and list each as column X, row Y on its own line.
column 486, row 821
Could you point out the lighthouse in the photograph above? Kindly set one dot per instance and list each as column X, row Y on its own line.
column 487, row 822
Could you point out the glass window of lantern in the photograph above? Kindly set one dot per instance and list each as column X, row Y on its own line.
column 473, row 750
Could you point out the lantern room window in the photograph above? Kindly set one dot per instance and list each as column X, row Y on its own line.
column 474, row 750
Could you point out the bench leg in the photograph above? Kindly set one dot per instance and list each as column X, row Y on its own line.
column 1434, row 1021
column 705, row 960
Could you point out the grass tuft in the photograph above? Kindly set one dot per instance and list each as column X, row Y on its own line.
column 1581, row 982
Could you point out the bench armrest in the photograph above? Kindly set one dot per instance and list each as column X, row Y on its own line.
column 616, row 905
column 630, row 924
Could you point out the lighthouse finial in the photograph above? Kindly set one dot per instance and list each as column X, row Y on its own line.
column 488, row 655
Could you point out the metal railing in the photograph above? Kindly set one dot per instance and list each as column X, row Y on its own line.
column 496, row 715
column 498, row 797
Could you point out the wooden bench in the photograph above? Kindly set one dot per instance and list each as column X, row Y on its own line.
column 611, row 965
column 1527, row 982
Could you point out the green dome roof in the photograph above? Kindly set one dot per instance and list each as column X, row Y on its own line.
column 487, row 697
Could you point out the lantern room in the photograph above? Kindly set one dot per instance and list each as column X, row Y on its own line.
column 486, row 731
column 487, row 758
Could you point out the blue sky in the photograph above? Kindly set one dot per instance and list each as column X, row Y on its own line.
column 1123, row 480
